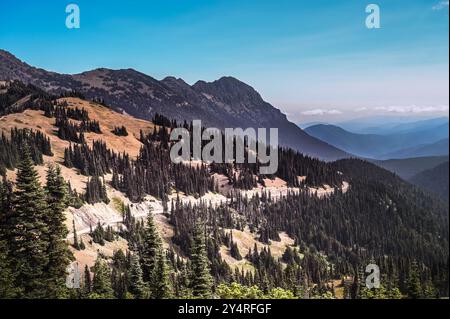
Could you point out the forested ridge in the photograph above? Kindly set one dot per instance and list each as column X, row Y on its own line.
column 380, row 219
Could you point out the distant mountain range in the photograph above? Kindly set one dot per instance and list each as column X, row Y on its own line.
column 438, row 148
column 226, row 102
column 385, row 125
column 411, row 140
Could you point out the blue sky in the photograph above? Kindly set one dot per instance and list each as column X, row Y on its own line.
column 314, row 59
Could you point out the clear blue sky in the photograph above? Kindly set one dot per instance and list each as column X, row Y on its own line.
column 313, row 59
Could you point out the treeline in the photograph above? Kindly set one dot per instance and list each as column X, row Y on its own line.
column 69, row 130
column 96, row 191
column 97, row 160
column 11, row 148
column 296, row 169
column 31, row 96
column 137, row 177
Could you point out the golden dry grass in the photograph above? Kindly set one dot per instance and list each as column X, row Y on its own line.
column 108, row 119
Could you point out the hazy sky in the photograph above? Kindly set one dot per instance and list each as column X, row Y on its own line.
column 313, row 59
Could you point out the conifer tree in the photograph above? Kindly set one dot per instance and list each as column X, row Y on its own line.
column 151, row 247
column 29, row 232
column 58, row 251
column 101, row 283
column 160, row 286
column 87, row 285
column 76, row 245
column 137, row 286
column 201, row 278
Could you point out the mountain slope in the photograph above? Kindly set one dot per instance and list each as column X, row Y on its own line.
column 223, row 103
column 375, row 216
column 378, row 146
column 435, row 180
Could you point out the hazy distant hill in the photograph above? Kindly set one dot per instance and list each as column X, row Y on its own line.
column 383, row 125
column 439, row 148
column 435, row 180
column 226, row 102
column 382, row 146
column 409, row 167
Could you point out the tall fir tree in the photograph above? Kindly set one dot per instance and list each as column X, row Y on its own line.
column 76, row 244
column 160, row 286
column 151, row 247
column 58, row 252
column 137, row 285
column 29, row 232
column 87, row 282
column 201, row 281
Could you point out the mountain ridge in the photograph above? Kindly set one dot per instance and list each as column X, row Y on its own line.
column 439, row 148
column 226, row 102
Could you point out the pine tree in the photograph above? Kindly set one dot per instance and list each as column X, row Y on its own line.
column 101, row 283
column 58, row 251
column 29, row 232
column 151, row 247
column 201, row 278
column 160, row 287
column 137, row 286
column 76, row 245
column 87, row 285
